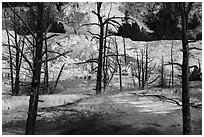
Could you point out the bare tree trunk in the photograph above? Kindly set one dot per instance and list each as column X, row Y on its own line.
column 172, row 67
column 105, row 61
column 58, row 77
column 119, row 66
column 143, row 70
column 124, row 45
column 92, row 64
column 162, row 73
column 139, row 70
column 185, row 71
column 120, row 75
column 10, row 62
column 146, row 66
column 34, row 94
column 170, row 79
column 100, row 57
column 17, row 80
column 46, row 75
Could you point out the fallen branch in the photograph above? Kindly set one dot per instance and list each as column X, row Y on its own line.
column 198, row 105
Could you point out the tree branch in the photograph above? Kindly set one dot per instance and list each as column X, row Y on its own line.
column 153, row 80
column 196, row 48
column 111, row 19
column 94, row 34
column 31, row 31
column 87, row 24
column 178, row 64
column 88, row 61
column 62, row 54
column 26, row 59
column 46, row 38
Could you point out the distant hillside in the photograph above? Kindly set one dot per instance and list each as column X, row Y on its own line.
column 84, row 49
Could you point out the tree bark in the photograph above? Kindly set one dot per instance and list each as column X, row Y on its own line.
column 185, row 74
column 172, row 68
column 58, row 77
column 119, row 66
column 146, row 66
column 10, row 62
column 100, row 57
column 143, row 70
column 34, row 94
column 139, row 70
column 46, row 75
column 162, row 72
column 124, row 46
column 17, row 78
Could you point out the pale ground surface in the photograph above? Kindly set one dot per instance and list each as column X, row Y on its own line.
column 129, row 112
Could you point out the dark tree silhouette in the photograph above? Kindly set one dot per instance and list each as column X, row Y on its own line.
column 184, row 10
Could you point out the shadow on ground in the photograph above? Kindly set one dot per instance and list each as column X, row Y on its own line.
column 93, row 123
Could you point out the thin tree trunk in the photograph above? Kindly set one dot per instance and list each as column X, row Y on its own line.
column 143, row 71
column 170, row 79
column 58, row 77
column 119, row 66
column 10, row 58
column 10, row 62
column 104, row 61
column 162, row 73
column 120, row 75
column 46, row 75
column 185, row 76
column 92, row 64
column 146, row 66
column 172, row 67
column 100, row 57
column 139, row 70
column 34, row 94
column 124, row 45
column 17, row 80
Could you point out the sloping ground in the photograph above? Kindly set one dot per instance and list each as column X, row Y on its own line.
column 14, row 102
column 133, row 112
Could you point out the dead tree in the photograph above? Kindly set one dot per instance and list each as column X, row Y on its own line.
column 119, row 65
column 143, row 67
column 100, row 57
column 184, row 9
column 162, row 83
column 10, row 62
column 35, row 85
column 172, row 67
column 14, row 54
column 36, row 63
column 101, row 37
column 58, row 77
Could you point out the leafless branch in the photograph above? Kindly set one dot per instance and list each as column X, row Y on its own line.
column 174, row 63
column 87, row 24
column 17, row 48
column 46, row 38
column 31, row 31
column 190, row 41
column 153, row 80
column 196, row 48
column 88, row 61
column 93, row 34
column 62, row 54
column 51, row 51
column 94, row 37
column 193, row 66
